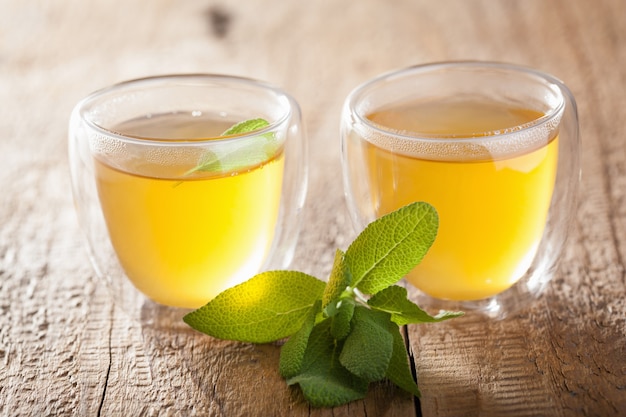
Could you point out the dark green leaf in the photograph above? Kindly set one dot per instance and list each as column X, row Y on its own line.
column 369, row 346
column 403, row 311
column 399, row 370
column 323, row 381
column 340, row 322
column 292, row 352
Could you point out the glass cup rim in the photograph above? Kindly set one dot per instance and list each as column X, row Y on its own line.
column 360, row 93
column 82, row 107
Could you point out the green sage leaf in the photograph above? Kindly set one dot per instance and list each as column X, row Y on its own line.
column 391, row 246
column 368, row 348
column 292, row 352
column 323, row 380
column 394, row 301
column 268, row 307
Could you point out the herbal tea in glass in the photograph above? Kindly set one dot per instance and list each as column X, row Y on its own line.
column 187, row 204
column 494, row 148
column 183, row 240
column 494, row 206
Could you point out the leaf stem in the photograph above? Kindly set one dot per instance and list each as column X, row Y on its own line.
column 354, row 294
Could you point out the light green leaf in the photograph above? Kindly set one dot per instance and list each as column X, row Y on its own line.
column 245, row 127
column 266, row 308
column 210, row 162
column 368, row 348
column 292, row 352
column 391, row 246
column 394, row 300
column 323, row 380
column 337, row 283
column 235, row 156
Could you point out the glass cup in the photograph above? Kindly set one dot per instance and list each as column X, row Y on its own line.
column 495, row 149
column 173, row 210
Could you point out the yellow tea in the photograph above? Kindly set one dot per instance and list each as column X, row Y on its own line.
column 492, row 210
column 183, row 239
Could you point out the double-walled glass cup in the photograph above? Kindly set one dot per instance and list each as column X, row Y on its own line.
column 174, row 210
column 495, row 149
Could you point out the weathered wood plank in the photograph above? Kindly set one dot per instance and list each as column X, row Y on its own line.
column 566, row 355
column 64, row 348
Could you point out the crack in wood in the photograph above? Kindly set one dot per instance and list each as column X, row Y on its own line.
column 108, row 372
column 407, row 345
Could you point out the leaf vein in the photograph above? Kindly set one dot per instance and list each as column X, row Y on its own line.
column 397, row 243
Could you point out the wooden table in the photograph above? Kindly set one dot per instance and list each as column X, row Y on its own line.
column 65, row 349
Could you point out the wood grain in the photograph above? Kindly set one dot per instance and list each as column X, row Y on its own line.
column 567, row 355
column 65, row 349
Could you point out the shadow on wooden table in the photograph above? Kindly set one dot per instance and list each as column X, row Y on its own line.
column 209, row 376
